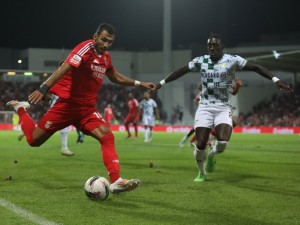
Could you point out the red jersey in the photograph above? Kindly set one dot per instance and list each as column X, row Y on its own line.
column 133, row 104
column 82, row 83
column 108, row 114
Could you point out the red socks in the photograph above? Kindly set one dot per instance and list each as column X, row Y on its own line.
column 110, row 157
column 27, row 125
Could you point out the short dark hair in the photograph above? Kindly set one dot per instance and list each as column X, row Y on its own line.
column 105, row 26
column 216, row 36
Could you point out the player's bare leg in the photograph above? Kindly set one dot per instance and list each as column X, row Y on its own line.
column 202, row 135
column 111, row 161
column 127, row 129
column 223, row 134
column 135, row 124
column 40, row 136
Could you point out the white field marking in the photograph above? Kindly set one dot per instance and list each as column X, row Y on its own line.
column 26, row 214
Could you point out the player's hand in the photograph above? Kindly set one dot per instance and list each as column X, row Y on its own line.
column 158, row 86
column 281, row 85
column 148, row 85
column 239, row 82
column 35, row 97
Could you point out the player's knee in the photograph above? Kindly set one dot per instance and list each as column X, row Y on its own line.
column 221, row 146
column 105, row 130
column 201, row 146
column 34, row 144
column 224, row 138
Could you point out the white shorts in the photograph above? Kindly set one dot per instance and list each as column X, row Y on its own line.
column 149, row 121
column 212, row 115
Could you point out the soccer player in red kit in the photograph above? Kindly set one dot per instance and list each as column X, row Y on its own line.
column 133, row 115
column 77, row 82
column 108, row 114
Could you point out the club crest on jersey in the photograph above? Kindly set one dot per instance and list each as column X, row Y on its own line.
column 48, row 124
column 76, row 59
column 96, row 61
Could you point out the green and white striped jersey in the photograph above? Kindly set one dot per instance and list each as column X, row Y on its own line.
column 217, row 78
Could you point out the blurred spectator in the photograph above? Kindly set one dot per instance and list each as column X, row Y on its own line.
column 110, row 94
column 282, row 110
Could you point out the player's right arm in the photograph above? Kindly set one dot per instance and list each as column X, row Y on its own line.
column 264, row 72
column 38, row 95
column 174, row 75
column 121, row 79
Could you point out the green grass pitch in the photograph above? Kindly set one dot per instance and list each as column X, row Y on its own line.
column 256, row 181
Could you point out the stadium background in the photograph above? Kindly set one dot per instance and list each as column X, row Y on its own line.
column 151, row 46
column 258, row 103
column 256, row 181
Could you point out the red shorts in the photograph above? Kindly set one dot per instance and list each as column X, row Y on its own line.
column 130, row 118
column 63, row 114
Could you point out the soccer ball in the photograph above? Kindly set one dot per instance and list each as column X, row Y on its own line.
column 97, row 188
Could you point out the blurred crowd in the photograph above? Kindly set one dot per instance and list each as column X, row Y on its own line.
column 281, row 110
column 115, row 95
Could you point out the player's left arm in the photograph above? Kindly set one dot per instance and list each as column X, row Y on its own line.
column 118, row 78
column 237, row 84
column 264, row 72
column 38, row 95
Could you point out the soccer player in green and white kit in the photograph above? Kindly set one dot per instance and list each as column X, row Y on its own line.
column 217, row 73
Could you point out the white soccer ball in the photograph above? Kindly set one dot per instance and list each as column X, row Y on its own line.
column 97, row 188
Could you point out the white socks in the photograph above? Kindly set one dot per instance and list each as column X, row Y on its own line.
column 200, row 156
column 64, row 138
column 147, row 134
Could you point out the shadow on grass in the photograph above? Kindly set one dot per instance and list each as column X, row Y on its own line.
column 161, row 212
column 259, row 184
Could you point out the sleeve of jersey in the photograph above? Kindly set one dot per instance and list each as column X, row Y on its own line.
column 76, row 57
column 240, row 61
column 194, row 65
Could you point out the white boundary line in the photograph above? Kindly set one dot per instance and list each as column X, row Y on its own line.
column 26, row 214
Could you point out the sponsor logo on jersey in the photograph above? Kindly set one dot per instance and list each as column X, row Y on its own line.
column 213, row 74
column 48, row 124
column 76, row 59
column 98, row 71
